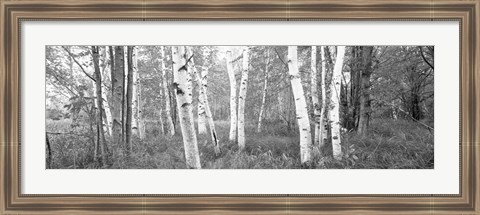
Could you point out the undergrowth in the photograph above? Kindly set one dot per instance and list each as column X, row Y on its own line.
column 388, row 144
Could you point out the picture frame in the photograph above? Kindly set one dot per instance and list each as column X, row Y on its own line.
column 12, row 13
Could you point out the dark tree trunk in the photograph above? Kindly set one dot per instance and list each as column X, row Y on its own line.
column 92, row 135
column 344, row 105
column 99, row 115
column 354, row 101
column 415, row 106
column 117, row 97
column 49, row 157
column 366, row 72
column 112, row 68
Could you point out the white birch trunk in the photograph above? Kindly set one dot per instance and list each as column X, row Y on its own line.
column 166, row 94
column 241, row 99
column 201, row 115
column 140, row 121
column 323, row 132
column 264, row 97
column 201, row 119
column 335, row 98
column 108, row 113
column 105, row 103
column 316, row 106
column 183, row 91
column 160, row 106
column 208, row 114
column 300, row 107
column 106, row 106
column 233, row 97
column 160, row 120
column 135, row 104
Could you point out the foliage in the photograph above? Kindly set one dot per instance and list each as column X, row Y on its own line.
column 392, row 144
column 399, row 134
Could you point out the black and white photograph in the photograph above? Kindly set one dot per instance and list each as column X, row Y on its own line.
column 239, row 107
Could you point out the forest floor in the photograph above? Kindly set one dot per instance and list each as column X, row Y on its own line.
column 389, row 144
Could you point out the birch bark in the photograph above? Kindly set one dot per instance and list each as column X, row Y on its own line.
column 233, row 97
column 208, row 113
column 264, row 97
column 241, row 99
column 99, row 100
column 323, row 120
column 201, row 114
column 135, row 84
column 335, row 111
column 314, row 92
column 183, row 90
column 301, row 107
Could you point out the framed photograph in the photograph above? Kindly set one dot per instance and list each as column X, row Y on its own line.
column 234, row 107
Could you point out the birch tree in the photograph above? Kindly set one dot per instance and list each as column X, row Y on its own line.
column 106, row 107
column 97, row 142
column 183, row 90
column 99, row 117
column 233, row 97
column 112, row 73
column 201, row 113
column 316, row 107
column 208, row 114
column 300, row 107
column 124, row 97
column 117, row 95
column 241, row 99
column 129, row 103
column 135, row 82
column 160, row 115
column 141, row 121
column 107, row 122
column 166, row 94
column 323, row 132
column 201, row 119
column 204, row 113
column 264, row 97
column 335, row 101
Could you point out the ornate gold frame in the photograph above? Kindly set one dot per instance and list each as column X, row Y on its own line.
column 12, row 12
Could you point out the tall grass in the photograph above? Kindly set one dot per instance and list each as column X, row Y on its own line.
column 72, row 147
column 388, row 144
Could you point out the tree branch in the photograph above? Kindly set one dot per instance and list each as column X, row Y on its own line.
column 424, row 58
column 81, row 67
column 281, row 59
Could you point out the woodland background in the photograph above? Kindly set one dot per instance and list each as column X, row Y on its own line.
column 164, row 107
